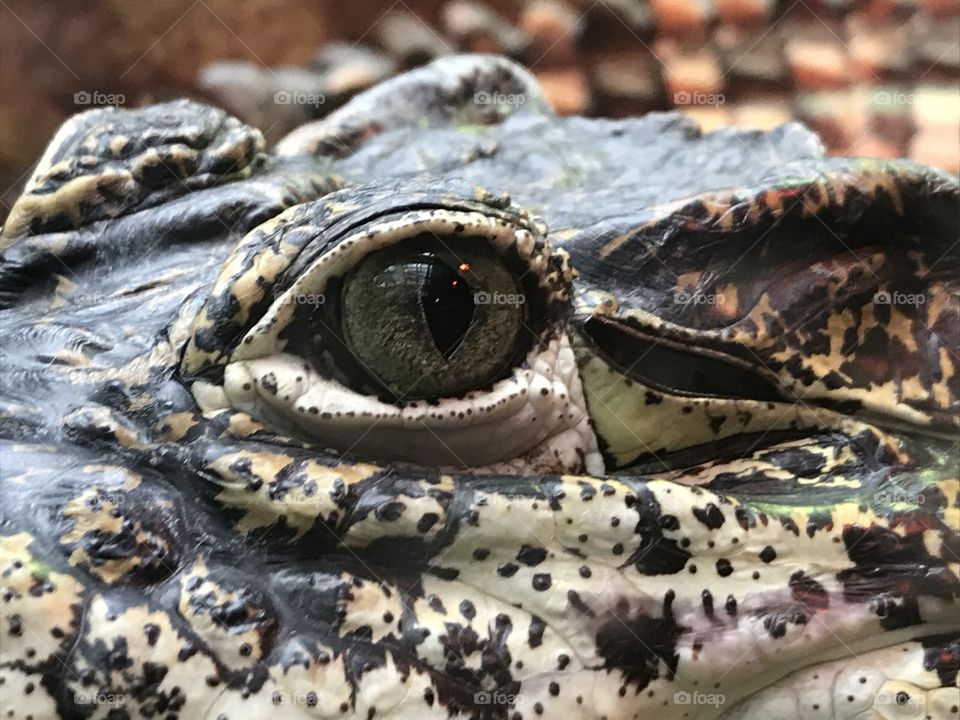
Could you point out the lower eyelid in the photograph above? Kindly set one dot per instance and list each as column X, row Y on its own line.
column 501, row 401
column 521, row 414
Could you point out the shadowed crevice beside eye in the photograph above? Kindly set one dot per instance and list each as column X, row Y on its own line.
column 661, row 364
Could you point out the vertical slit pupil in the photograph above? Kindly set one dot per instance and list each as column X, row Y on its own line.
column 447, row 302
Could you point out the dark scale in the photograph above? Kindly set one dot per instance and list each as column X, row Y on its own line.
column 707, row 598
column 731, row 605
column 724, row 568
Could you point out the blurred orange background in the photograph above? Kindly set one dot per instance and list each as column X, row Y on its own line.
column 876, row 77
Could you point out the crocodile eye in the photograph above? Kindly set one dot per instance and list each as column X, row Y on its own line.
column 426, row 325
column 453, row 317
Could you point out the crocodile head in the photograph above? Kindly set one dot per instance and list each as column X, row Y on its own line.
column 450, row 407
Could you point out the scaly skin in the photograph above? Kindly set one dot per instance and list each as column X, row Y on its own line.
column 664, row 507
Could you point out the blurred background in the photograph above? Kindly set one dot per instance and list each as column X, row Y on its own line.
column 872, row 77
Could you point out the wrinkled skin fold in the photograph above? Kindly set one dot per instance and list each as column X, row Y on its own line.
column 717, row 478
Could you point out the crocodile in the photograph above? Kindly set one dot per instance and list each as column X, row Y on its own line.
column 447, row 406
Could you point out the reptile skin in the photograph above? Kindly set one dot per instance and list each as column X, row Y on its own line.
column 688, row 451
